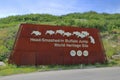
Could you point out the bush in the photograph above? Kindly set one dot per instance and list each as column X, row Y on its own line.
column 3, row 53
column 108, row 48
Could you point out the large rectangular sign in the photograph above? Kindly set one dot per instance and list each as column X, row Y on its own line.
column 45, row 44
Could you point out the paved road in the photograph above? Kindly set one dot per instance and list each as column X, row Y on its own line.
column 77, row 74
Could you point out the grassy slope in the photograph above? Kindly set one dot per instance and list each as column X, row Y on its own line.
column 7, row 36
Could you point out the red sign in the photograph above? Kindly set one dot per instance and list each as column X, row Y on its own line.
column 45, row 44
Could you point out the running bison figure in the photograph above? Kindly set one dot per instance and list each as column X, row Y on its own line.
column 36, row 33
column 82, row 34
column 50, row 32
column 67, row 34
column 61, row 32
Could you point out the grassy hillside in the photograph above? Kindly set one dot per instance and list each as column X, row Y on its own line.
column 108, row 24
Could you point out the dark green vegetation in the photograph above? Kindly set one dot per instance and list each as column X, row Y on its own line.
column 108, row 24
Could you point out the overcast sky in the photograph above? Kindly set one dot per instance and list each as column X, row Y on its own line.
column 57, row 7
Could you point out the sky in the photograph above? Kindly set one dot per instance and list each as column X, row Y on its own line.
column 57, row 7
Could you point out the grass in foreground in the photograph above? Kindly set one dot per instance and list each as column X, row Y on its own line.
column 13, row 69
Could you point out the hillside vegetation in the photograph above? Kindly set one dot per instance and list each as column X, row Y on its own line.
column 108, row 24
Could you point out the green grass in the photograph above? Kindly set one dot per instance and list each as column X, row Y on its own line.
column 109, row 47
column 13, row 69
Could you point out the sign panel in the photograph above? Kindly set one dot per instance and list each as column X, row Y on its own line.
column 45, row 44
